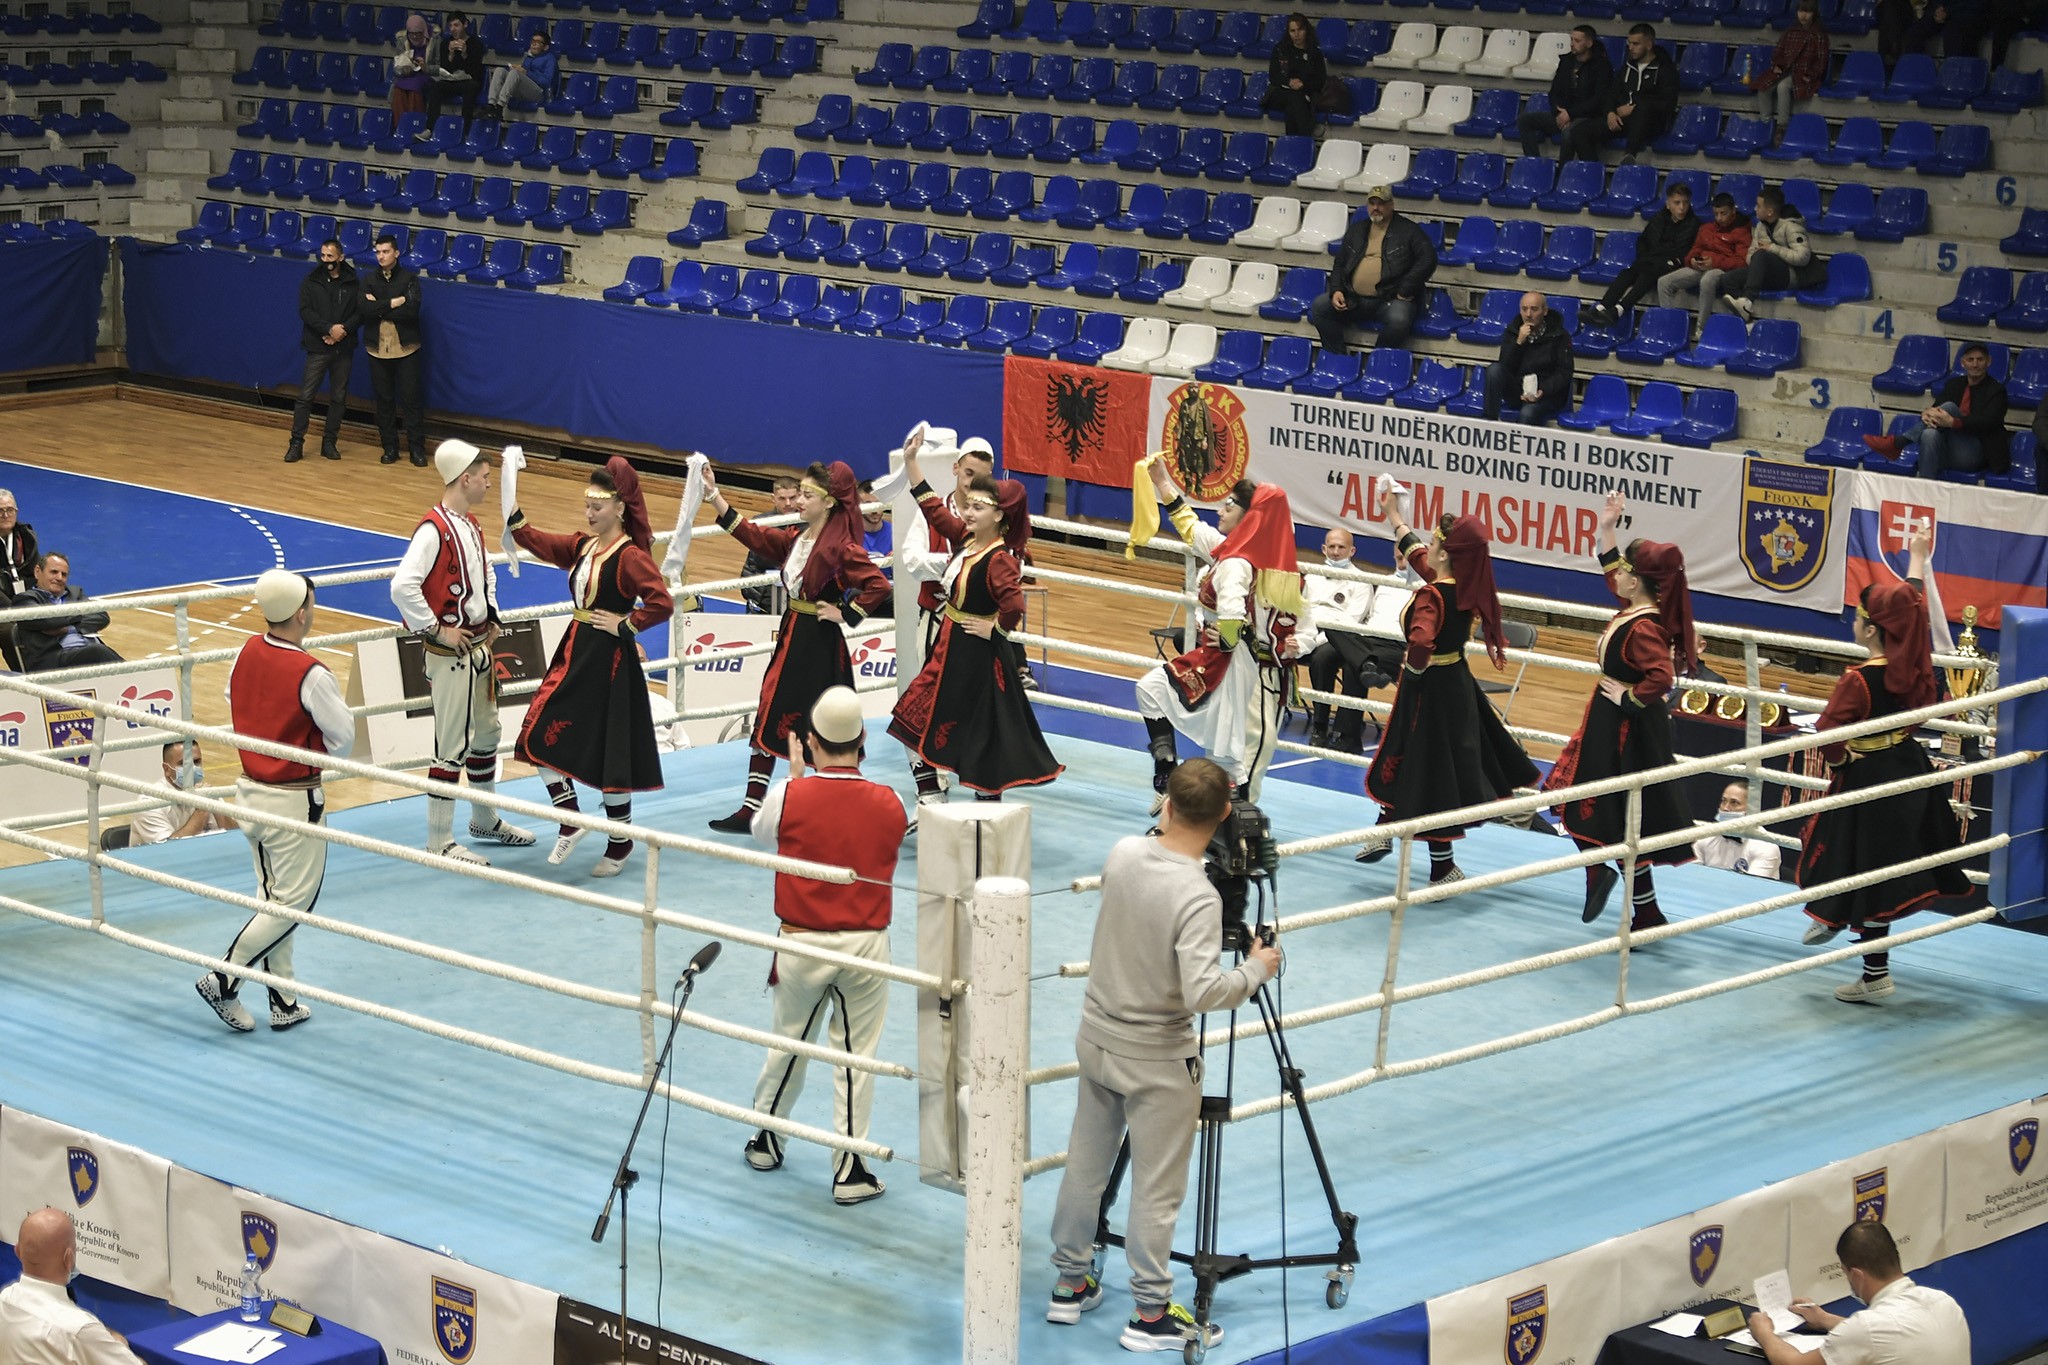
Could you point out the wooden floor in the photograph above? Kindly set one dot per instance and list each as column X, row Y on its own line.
column 232, row 453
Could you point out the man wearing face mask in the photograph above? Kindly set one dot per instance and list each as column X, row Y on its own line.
column 1332, row 650
column 1901, row 1323
column 178, row 821
column 327, row 334
column 39, row 1324
column 1737, row 852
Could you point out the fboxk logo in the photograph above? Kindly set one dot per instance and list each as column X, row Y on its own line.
column 157, row 703
column 871, row 659
column 711, row 644
column 10, row 728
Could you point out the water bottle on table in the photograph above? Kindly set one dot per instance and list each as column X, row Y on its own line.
column 252, row 1289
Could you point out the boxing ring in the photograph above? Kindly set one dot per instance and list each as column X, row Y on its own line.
column 527, row 1009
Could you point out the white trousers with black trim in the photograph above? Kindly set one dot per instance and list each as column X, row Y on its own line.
column 464, row 688
column 807, row 992
column 290, row 865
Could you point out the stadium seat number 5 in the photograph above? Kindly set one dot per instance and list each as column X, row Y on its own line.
column 1946, row 257
column 1821, row 397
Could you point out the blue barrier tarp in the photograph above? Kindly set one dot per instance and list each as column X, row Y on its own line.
column 52, row 290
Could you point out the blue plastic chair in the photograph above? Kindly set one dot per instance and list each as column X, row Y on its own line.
column 1629, row 192
column 1806, row 139
column 1858, row 140
column 1287, row 360
column 1918, row 362
column 1662, row 333
column 1722, row 339
column 1333, row 371
column 1479, row 175
column 2028, row 311
column 1710, row 415
column 1520, row 242
column 643, row 277
column 799, row 295
column 1568, row 251
column 1852, row 206
column 1299, row 287
column 1617, row 253
column 1578, row 182
column 1696, row 128
column 1773, row 346
column 1055, row 326
column 1961, row 148
column 1981, row 294
column 1605, row 401
column 1529, row 178
column 1434, row 384
column 1238, row 353
column 1901, row 213
column 1493, row 114
column 1862, row 76
column 1098, row 335
column 1848, row 281
column 1841, row 444
column 1429, row 171
column 1912, row 79
column 881, row 305
column 1911, row 143
column 1386, row 372
column 1658, row 406
column 776, row 166
column 1477, row 236
column 2031, row 237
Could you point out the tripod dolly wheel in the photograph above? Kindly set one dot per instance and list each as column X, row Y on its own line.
column 1338, row 1292
column 1194, row 1350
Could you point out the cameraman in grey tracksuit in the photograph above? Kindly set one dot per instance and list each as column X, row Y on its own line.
column 1156, row 963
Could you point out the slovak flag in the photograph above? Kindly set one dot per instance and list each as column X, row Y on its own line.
column 1981, row 558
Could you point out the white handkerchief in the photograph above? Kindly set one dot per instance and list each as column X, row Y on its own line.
column 508, row 500
column 896, row 482
column 677, row 561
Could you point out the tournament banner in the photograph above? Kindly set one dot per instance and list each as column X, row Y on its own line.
column 30, row 725
column 1560, row 1312
column 1073, row 421
column 305, row 1258
column 1903, row 1186
column 114, row 1193
column 587, row 1335
column 392, row 669
column 1990, row 545
column 1751, row 527
column 709, row 682
column 426, row 1308
column 1716, row 1253
column 1997, row 1177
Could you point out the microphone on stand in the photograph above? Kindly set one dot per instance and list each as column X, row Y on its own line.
column 706, row 955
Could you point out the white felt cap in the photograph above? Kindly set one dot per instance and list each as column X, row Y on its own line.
column 280, row 593
column 453, row 457
column 836, row 718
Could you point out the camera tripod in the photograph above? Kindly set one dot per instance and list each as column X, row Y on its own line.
column 1210, row 1267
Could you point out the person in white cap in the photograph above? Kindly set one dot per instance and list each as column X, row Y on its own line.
column 280, row 693
column 447, row 591
column 831, row 816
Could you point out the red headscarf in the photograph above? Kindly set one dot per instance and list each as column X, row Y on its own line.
column 1466, row 542
column 1662, row 567
column 1015, row 505
column 638, row 529
column 1901, row 613
column 841, row 535
column 1264, row 538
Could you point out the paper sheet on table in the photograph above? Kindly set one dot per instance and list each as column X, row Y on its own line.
column 1774, row 1300
column 1680, row 1324
column 1743, row 1338
column 233, row 1341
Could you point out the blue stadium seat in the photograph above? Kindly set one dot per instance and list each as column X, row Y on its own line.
column 1386, row 372
column 1912, row 78
column 315, row 230
column 2028, row 311
column 1773, row 346
column 1901, row 213
column 465, row 253
column 284, row 229
column 758, row 289
column 1604, row 401
column 834, row 112
column 1617, row 253
column 428, row 246
column 1696, row 129
column 1658, row 406
column 1221, row 87
column 1841, row 445
column 1332, row 371
column 835, row 304
column 1243, row 153
column 1434, row 384
column 1025, row 267
column 910, row 120
column 634, row 154
column 1912, row 142
column 1187, row 207
column 1115, row 268
column 776, row 166
column 1493, row 114
column 543, row 266
column 1498, row 309
column 1700, row 64
column 1862, row 76
column 892, row 60
column 881, row 304
column 1631, row 190
column 1238, row 353
column 1154, row 282
column 1008, row 322
column 1091, row 76
column 2031, row 237
column 1098, row 335
column 785, row 227
column 1300, row 286
column 1662, row 333
column 1055, row 327
column 1958, row 81
column 1741, row 138
column 1199, row 148
column 1578, row 182
column 1529, row 178
column 989, row 253
column 970, row 186
column 571, row 203
column 1479, row 175
column 1030, row 132
column 2024, row 475
column 2009, row 91
column 493, row 196
column 1429, row 171
column 821, row 235
column 799, row 295
column 1852, row 206
column 891, row 178
column 243, row 167
column 1710, row 415
column 1520, row 242
column 1568, row 251
column 1961, row 148
column 1918, row 362
column 1848, row 281
column 1286, row 360
column 1981, row 294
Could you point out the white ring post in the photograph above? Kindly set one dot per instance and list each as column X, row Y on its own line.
column 999, row 1054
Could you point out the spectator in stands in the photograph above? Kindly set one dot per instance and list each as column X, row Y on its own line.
column 2009, row 18
column 390, row 318
column 177, row 820
column 1900, row 1323
column 1964, row 429
column 1578, row 94
column 1717, row 247
column 876, row 537
column 412, row 68
column 17, row 566
column 1798, row 66
column 68, row 641
column 1959, row 24
column 1296, row 77
column 1740, row 852
column 767, row 598
column 532, row 80
column 1662, row 247
column 1535, row 366
column 457, row 64
column 328, row 304
column 39, row 1324
column 1382, row 271
column 1333, row 653
column 1780, row 257
column 1642, row 100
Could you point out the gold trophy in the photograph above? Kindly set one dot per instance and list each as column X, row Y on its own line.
column 1965, row 680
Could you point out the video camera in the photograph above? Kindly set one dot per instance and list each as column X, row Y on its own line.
column 1241, row 852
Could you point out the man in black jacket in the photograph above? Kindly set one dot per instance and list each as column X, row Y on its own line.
column 1578, row 90
column 1382, row 271
column 59, row 641
column 327, row 334
column 390, row 318
column 1642, row 99
column 1964, row 429
column 456, row 60
column 1535, row 366
column 17, row 566
column 1661, row 248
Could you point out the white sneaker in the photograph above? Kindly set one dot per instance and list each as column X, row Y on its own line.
column 937, row 798
column 501, row 833
column 1861, row 992
column 610, row 867
column 460, row 853
column 1818, row 933
column 1741, row 307
column 232, row 1012
column 282, row 1018
column 565, row 844
column 1069, row 1304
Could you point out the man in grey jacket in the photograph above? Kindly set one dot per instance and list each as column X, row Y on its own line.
column 1156, row 963
column 1780, row 256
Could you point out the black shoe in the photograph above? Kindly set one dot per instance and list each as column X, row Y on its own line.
column 419, row 458
column 388, row 457
column 1318, row 737
column 330, row 451
column 740, row 821
column 294, row 452
column 1597, row 891
column 1646, row 917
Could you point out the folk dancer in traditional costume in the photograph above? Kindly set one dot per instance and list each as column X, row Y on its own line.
column 279, row 692
column 1891, row 622
column 446, row 590
column 591, row 722
column 967, row 711
column 1627, row 727
column 1225, row 694
column 1444, row 746
column 831, row 583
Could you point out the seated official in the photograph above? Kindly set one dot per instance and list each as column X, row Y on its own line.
column 17, row 566
column 54, row 642
column 1533, row 377
column 177, row 820
column 1901, row 1323
column 39, row 1324
column 1333, row 652
column 1738, row 852
column 876, row 535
